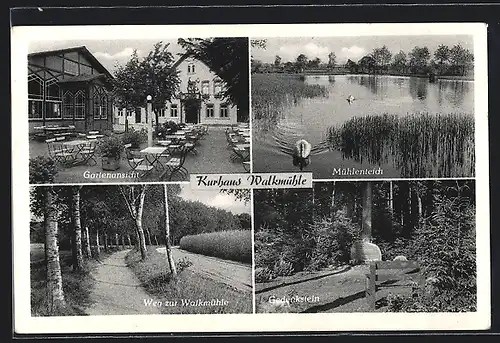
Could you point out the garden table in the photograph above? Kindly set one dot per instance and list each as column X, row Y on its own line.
column 152, row 154
column 76, row 148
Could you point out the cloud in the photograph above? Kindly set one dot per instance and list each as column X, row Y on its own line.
column 353, row 52
column 125, row 53
column 311, row 50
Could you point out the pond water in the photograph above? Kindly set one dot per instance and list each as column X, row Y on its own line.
column 287, row 108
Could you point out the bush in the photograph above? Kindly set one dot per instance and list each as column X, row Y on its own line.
column 233, row 245
column 167, row 128
column 263, row 274
column 134, row 137
column 42, row 169
column 334, row 238
column 111, row 146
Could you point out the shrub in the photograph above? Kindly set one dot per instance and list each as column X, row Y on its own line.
column 134, row 137
column 263, row 274
column 111, row 147
column 42, row 170
column 233, row 245
column 167, row 128
column 283, row 268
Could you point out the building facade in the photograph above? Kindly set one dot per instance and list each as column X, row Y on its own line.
column 69, row 87
column 199, row 100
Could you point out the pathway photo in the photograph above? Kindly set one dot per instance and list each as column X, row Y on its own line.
column 364, row 106
column 138, row 110
column 366, row 246
column 139, row 249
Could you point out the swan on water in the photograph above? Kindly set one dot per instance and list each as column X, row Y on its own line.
column 350, row 99
column 301, row 153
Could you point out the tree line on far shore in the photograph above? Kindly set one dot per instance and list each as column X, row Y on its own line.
column 454, row 61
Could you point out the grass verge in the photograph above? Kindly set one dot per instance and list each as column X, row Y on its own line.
column 77, row 286
column 188, row 287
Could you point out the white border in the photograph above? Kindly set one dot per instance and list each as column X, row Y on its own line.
column 24, row 323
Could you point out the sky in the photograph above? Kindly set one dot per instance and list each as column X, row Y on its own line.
column 108, row 52
column 350, row 47
column 215, row 199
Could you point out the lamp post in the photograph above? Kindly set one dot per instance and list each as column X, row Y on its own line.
column 149, row 120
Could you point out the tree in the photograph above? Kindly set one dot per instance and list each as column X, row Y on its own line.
column 367, row 64
column 228, row 58
column 77, row 229
column 351, row 66
column 382, row 57
column 56, row 300
column 314, row 63
column 419, row 58
column 300, row 63
column 245, row 221
column 134, row 199
column 331, row 59
column 277, row 61
column 153, row 75
column 442, row 54
column 399, row 62
column 170, row 258
column 461, row 59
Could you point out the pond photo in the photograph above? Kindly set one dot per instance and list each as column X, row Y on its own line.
column 398, row 106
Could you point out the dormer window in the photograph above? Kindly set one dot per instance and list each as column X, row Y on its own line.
column 191, row 69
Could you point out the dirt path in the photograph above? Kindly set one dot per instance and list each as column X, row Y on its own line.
column 234, row 274
column 117, row 290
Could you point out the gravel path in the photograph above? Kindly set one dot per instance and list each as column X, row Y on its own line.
column 234, row 274
column 117, row 290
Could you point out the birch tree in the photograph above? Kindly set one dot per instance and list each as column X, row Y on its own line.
column 134, row 199
column 77, row 229
column 170, row 258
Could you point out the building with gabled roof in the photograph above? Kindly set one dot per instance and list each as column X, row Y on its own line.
column 69, row 87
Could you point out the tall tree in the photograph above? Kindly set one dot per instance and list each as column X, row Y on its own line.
column 399, row 62
column 153, row 75
column 228, row 58
column 170, row 258
column 277, row 61
column 77, row 229
column 419, row 58
column 134, row 199
column 56, row 300
column 461, row 59
column 382, row 57
column 332, row 58
column 301, row 62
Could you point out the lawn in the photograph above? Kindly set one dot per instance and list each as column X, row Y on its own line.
column 188, row 287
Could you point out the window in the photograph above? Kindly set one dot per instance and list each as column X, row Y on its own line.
column 53, row 100
column 68, row 104
column 191, row 68
column 161, row 113
column 205, row 88
column 224, row 113
column 100, row 107
column 35, row 97
column 174, row 112
column 210, row 110
column 80, row 105
column 70, row 67
column 217, row 88
column 35, row 109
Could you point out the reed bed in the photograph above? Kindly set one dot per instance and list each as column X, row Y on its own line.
column 419, row 144
column 233, row 245
column 273, row 93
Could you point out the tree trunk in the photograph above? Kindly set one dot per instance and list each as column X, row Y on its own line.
column 77, row 231
column 123, row 242
column 332, row 204
column 170, row 258
column 117, row 243
column 129, row 242
column 97, row 243
column 390, row 204
column 54, row 276
column 148, row 236
column 138, row 224
column 105, row 241
column 87, row 242
column 156, row 241
column 367, row 212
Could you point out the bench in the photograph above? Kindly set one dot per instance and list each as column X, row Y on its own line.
column 383, row 271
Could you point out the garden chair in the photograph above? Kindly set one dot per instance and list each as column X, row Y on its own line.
column 240, row 154
column 57, row 151
column 175, row 165
column 136, row 163
column 88, row 153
